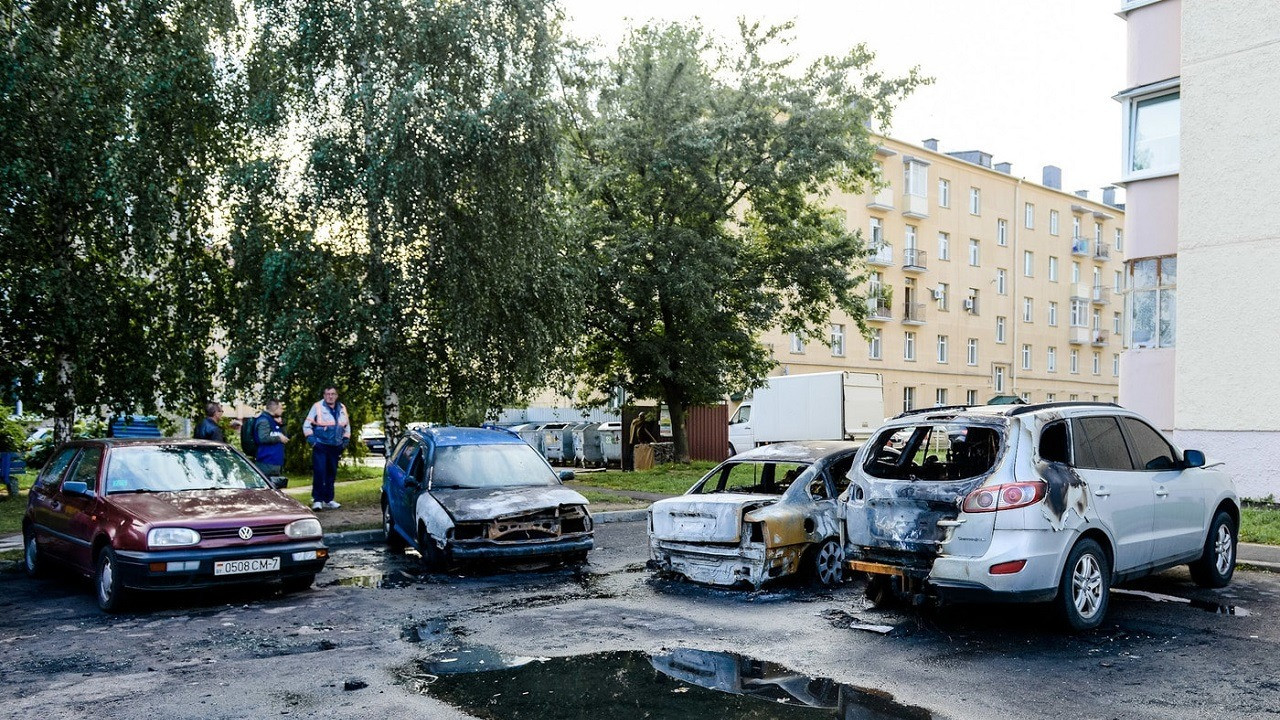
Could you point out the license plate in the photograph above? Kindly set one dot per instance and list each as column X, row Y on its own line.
column 240, row 567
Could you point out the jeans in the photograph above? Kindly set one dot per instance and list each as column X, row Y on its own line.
column 324, row 470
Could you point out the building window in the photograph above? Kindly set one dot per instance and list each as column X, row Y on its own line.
column 837, row 340
column 1075, row 272
column 1051, row 359
column 1002, row 232
column 908, row 345
column 1075, row 226
column 1115, row 323
column 971, row 397
column 1097, row 234
column 1053, row 222
column 797, row 343
column 1053, row 313
column 875, row 344
column 1119, row 239
column 1117, row 282
column 877, row 233
column 973, row 252
column 940, row 397
column 1028, row 311
column 1002, row 281
column 999, row 329
column 909, row 241
column 997, row 379
column 1026, row 357
column 1097, row 363
column 1028, row 263
column 944, row 193
column 1074, row 397
column 1151, row 302
column 908, row 399
column 942, row 294
column 944, row 246
column 971, row 351
column 1079, row 313
column 1053, row 269
column 1152, row 134
column 1050, row 397
column 916, row 178
column 975, row 201
column 1029, row 213
column 1115, row 365
column 942, row 348
column 1075, row 362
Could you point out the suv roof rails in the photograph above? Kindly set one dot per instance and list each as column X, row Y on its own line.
column 1023, row 409
column 922, row 411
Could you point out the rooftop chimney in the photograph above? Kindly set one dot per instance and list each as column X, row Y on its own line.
column 1052, row 177
column 977, row 157
column 1006, row 168
column 931, row 144
column 1109, row 195
column 1083, row 193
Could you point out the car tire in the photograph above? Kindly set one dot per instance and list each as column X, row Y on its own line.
column 1217, row 565
column 880, row 591
column 825, row 564
column 732, row 451
column 32, row 557
column 432, row 555
column 1084, row 590
column 395, row 541
column 298, row 583
column 107, row 586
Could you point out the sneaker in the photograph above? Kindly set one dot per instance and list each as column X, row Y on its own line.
column 317, row 505
column 333, row 505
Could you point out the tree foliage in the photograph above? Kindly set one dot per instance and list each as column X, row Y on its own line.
column 697, row 172
column 111, row 131
column 414, row 255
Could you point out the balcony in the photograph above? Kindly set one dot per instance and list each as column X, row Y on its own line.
column 914, row 314
column 878, row 309
column 881, row 254
column 1100, row 337
column 914, row 260
column 915, row 206
column 1082, row 292
column 881, row 199
column 1079, row 246
column 1101, row 295
column 1080, row 335
column 1101, row 251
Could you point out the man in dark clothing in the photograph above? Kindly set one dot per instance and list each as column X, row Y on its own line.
column 270, row 437
column 209, row 428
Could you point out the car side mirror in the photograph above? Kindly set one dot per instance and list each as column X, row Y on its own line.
column 75, row 487
column 566, row 475
column 279, row 482
column 1193, row 459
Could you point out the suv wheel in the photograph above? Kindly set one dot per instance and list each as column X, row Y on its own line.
column 1085, row 588
column 1218, row 563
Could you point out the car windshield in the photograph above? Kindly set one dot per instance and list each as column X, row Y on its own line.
column 488, row 466
column 175, row 469
column 756, row 478
column 938, row 451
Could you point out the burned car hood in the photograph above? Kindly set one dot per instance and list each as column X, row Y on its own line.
column 714, row 518
column 196, row 505
column 471, row 504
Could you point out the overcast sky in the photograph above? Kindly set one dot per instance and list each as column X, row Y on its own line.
column 1029, row 81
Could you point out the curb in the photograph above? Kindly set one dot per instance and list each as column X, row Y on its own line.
column 360, row 537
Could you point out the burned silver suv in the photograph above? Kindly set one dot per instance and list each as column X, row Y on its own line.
column 1054, row 502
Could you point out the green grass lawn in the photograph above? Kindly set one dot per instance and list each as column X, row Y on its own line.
column 11, row 508
column 666, row 479
column 595, row 497
column 1260, row 525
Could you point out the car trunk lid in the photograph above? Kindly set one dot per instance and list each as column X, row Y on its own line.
column 710, row 518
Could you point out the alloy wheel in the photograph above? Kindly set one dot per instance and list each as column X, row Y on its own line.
column 1223, row 551
column 830, row 563
column 1086, row 586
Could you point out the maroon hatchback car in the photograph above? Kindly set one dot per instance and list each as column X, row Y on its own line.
column 166, row 514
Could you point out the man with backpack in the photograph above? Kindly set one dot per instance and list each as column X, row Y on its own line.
column 263, row 439
column 328, row 431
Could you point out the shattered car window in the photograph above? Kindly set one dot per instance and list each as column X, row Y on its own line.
column 939, row 451
column 770, row 478
column 485, row 466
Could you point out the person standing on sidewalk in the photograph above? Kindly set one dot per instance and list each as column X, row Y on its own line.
column 209, row 429
column 328, row 431
column 269, row 436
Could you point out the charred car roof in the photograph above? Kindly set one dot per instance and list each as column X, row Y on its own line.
column 811, row 451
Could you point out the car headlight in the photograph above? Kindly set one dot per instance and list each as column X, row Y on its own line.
column 172, row 537
column 309, row 527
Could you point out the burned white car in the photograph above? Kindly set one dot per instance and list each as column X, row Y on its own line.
column 458, row 494
column 762, row 514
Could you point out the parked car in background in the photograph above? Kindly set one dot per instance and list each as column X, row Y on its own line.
column 762, row 514
column 166, row 514
column 374, row 438
column 1052, row 502
column 459, row 494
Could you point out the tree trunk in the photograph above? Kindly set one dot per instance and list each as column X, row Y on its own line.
column 680, row 431
column 390, row 420
column 64, row 406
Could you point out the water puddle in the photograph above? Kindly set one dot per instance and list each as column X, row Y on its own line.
column 375, row 580
column 1207, row 606
column 675, row 684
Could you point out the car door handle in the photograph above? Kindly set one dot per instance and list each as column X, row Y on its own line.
column 1102, row 492
column 1161, row 492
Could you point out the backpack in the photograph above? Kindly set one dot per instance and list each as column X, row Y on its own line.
column 249, row 437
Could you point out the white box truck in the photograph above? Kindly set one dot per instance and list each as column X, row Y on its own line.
column 811, row 406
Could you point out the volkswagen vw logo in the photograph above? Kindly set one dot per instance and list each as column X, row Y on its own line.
column 246, row 533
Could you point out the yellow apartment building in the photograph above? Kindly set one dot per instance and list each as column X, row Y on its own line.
column 982, row 284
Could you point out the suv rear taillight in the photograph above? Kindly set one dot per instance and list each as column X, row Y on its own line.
column 1004, row 497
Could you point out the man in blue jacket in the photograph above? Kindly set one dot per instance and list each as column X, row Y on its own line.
column 328, row 431
column 209, row 428
column 269, row 435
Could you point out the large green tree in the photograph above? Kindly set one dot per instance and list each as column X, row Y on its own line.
column 437, row 278
column 112, row 129
column 697, row 172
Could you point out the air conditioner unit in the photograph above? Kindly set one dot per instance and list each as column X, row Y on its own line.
column 969, row 304
column 939, row 293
